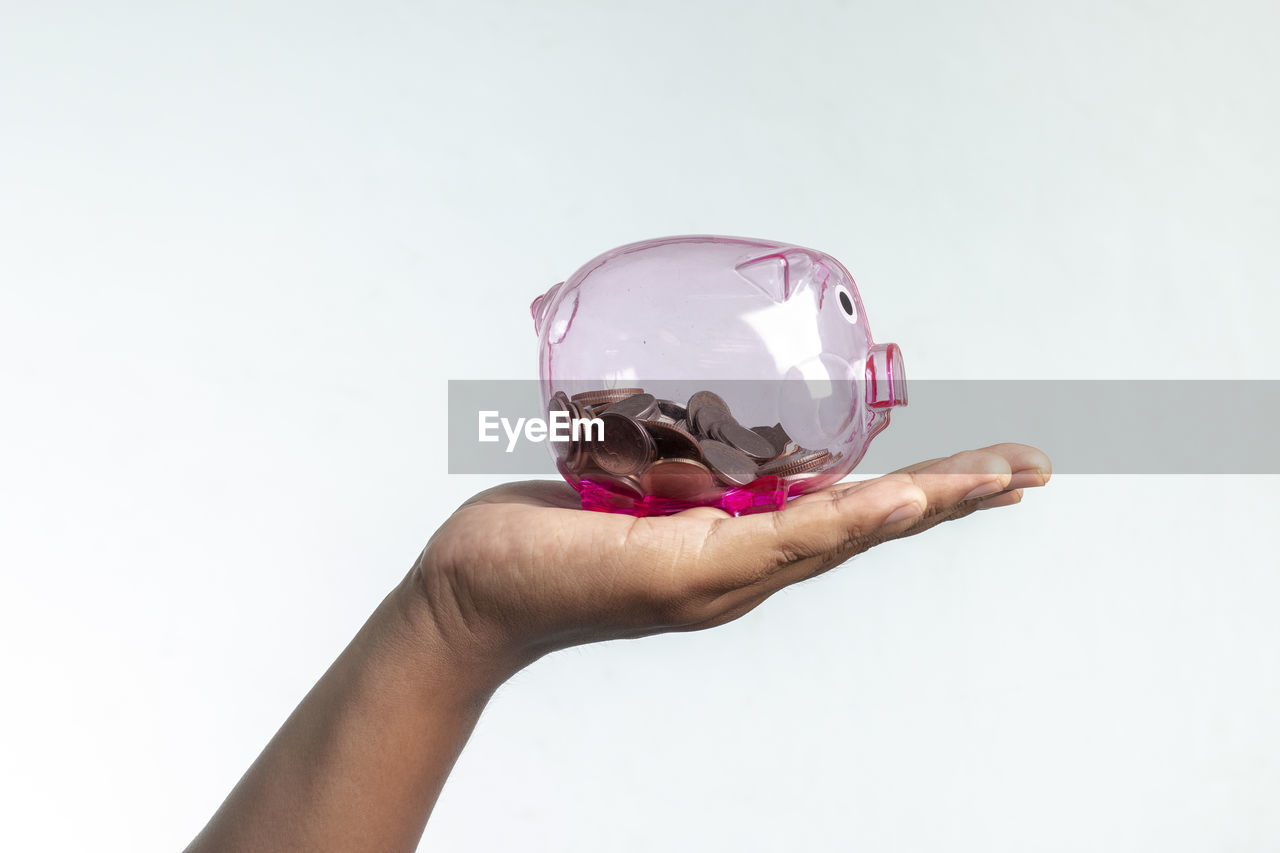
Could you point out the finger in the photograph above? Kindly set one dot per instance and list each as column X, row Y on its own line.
column 740, row 551
column 957, row 512
column 1034, row 468
column 1006, row 498
column 918, row 465
column 972, row 474
column 969, row 475
column 976, row 475
column 818, row 532
column 1031, row 467
column 746, row 559
column 827, row 525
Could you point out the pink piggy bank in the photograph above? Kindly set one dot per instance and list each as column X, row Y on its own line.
column 711, row 371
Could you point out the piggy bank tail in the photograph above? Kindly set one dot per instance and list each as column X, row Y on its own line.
column 541, row 308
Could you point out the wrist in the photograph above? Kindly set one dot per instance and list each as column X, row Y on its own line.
column 437, row 642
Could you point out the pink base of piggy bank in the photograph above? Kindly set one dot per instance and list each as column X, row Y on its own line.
column 766, row 494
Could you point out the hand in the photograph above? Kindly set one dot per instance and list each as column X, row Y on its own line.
column 519, row 570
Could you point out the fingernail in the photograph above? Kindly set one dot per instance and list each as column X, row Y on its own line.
column 902, row 513
column 982, row 491
column 1026, row 479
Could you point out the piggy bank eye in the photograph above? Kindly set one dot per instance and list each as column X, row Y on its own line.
column 847, row 306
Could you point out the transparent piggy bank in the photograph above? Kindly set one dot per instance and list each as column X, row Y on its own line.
column 710, row 371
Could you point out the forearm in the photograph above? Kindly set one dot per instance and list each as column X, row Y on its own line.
column 360, row 762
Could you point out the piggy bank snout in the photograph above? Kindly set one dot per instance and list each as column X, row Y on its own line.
column 886, row 377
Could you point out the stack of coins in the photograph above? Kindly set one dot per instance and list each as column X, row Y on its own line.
column 664, row 449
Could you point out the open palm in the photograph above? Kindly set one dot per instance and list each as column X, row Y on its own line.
column 520, row 570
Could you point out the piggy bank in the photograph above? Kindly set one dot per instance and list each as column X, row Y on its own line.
column 710, row 371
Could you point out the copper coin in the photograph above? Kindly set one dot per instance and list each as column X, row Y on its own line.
column 672, row 442
column 677, row 478
column 628, row 486
column 672, row 409
column 748, row 441
column 638, row 406
column 578, row 442
column 627, row 448
column 729, row 464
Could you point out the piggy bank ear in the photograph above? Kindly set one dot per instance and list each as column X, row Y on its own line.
column 780, row 274
column 542, row 305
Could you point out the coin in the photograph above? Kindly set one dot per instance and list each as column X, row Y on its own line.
column 748, row 441
column 672, row 442
column 607, row 392
column 612, row 395
column 627, row 486
column 560, row 403
column 790, row 449
column 729, row 464
column 704, row 408
column 801, row 471
column 797, row 463
column 638, row 406
column 776, row 435
column 601, row 402
column 677, row 478
column 627, row 447
column 706, row 417
column 642, row 431
column 672, row 409
column 577, row 443
column 706, row 398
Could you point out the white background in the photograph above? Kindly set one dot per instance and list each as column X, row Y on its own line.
column 243, row 247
